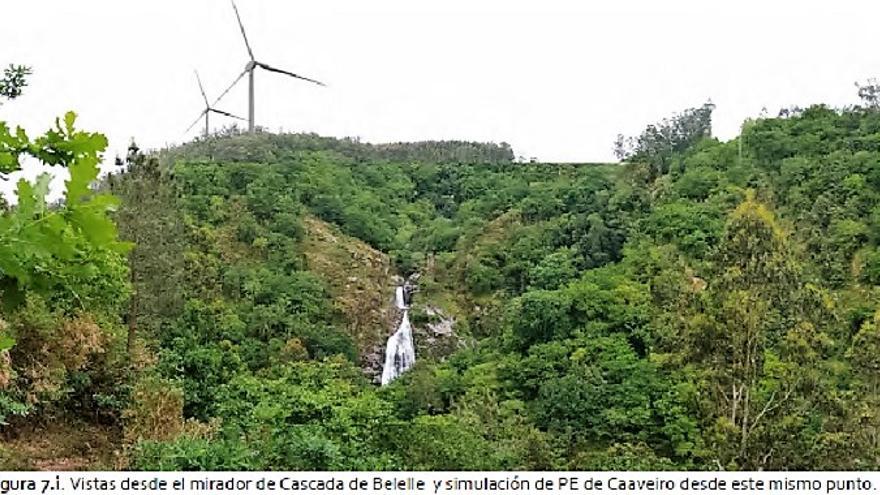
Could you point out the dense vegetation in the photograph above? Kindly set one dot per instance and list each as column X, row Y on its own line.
column 701, row 305
column 62, row 278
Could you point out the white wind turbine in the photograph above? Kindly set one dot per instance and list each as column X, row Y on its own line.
column 208, row 109
column 249, row 69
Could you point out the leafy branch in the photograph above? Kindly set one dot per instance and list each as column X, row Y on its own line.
column 36, row 238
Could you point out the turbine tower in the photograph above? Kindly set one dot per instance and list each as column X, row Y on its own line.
column 208, row 109
column 249, row 69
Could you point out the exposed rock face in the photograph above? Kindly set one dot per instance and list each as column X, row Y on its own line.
column 434, row 332
column 357, row 276
column 362, row 286
column 444, row 326
column 372, row 361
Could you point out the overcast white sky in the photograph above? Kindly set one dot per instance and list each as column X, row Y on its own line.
column 556, row 79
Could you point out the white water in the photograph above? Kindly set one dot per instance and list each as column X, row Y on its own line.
column 400, row 354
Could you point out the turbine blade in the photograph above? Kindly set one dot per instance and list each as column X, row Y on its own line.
column 221, row 112
column 201, row 88
column 291, row 74
column 230, row 87
column 243, row 35
column 196, row 121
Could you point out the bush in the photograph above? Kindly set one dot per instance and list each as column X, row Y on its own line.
column 155, row 411
column 186, row 453
column 58, row 361
column 540, row 316
column 201, row 369
column 622, row 457
column 556, row 269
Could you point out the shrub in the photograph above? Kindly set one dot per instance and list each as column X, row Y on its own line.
column 155, row 411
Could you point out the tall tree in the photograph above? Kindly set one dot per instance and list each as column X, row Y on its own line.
column 149, row 219
column 865, row 357
column 751, row 303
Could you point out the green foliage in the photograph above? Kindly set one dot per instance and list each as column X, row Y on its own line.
column 444, row 443
column 14, row 80
column 62, row 278
column 186, row 453
column 658, row 144
column 11, row 407
column 39, row 244
column 693, row 227
column 305, row 416
column 604, row 394
column 684, row 310
column 541, row 316
column 150, row 219
column 237, row 146
column 555, row 269
column 624, row 457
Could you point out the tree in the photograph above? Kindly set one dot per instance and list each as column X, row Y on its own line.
column 753, row 301
column 865, row 357
column 14, row 80
column 658, row 142
column 869, row 93
column 540, row 316
column 150, row 219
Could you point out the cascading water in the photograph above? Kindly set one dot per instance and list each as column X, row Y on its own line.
column 400, row 354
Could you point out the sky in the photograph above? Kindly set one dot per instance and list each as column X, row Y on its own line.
column 558, row 80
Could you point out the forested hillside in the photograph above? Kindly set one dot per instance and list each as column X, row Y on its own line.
column 699, row 305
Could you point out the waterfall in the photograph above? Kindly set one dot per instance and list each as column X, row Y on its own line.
column 400, row 354
column 400, row 298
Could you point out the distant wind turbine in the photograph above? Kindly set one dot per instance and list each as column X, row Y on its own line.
column 249, row 68
column 208, row 109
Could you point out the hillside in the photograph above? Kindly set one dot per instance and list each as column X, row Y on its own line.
column 683, row 309
column 361, row 284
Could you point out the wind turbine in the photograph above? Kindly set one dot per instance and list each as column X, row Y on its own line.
column 249, row 68
column 208, row 109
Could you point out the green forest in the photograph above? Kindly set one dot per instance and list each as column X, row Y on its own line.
column 224, row 304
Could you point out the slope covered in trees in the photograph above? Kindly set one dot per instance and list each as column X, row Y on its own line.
column 701, row 305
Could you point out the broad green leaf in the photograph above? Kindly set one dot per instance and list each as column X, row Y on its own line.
column 42, row 246
column 26, row 202
column 82, row 173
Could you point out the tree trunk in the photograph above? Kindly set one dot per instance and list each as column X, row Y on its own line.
column 132, row 318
